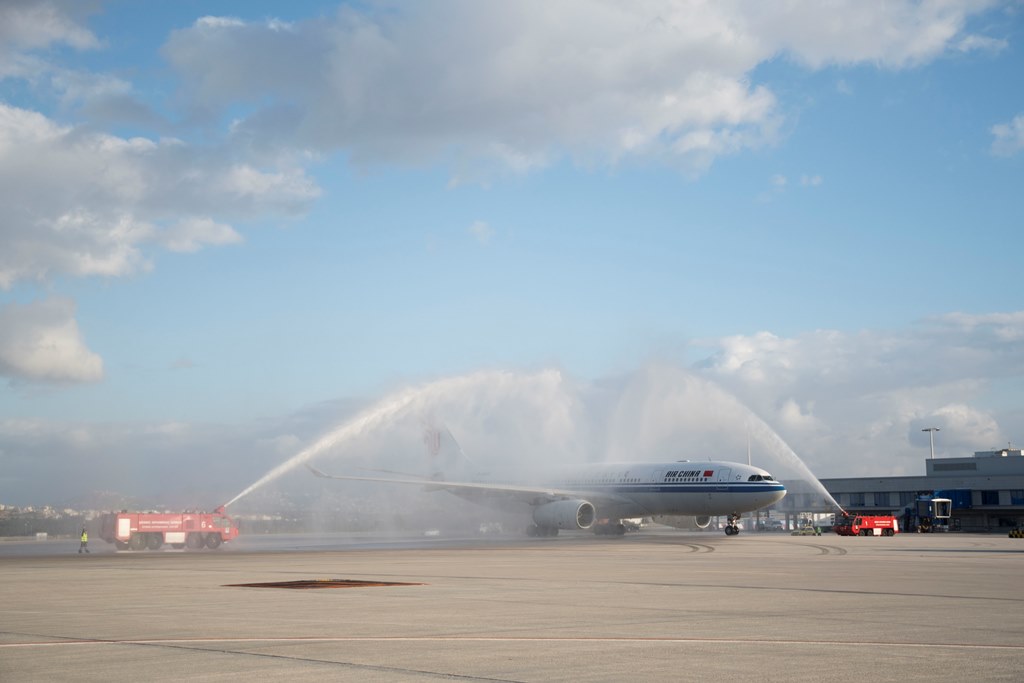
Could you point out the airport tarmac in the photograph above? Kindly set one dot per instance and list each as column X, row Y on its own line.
column 652, row 606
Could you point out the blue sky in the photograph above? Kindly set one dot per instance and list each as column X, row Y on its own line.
column 224, row 218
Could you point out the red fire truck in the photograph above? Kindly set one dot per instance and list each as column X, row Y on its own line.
column 141, row 530
column 866, row 525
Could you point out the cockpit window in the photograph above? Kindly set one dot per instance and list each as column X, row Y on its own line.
column 761, row 477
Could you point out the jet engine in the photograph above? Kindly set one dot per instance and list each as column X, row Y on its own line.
column 702, row 521
column 565, row 514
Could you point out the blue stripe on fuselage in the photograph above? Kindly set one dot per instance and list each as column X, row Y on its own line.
column 710, row 487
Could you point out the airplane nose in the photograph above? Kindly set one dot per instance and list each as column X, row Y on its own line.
column 778, row 494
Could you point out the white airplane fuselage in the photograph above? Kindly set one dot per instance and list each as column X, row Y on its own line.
column 620, row 490
column 578, row 497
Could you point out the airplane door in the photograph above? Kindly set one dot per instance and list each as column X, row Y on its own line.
column 719, row 497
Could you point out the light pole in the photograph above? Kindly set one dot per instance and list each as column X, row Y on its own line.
column 931, row 438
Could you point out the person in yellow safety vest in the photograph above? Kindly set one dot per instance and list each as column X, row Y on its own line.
column 85, row 542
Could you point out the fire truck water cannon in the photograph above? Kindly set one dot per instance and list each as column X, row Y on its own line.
column 190, row 529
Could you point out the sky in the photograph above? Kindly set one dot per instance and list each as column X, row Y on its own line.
column 573, row 231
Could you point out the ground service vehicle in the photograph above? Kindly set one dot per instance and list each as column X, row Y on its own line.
column 931, row 514
column 141, row 530
column 866, row 525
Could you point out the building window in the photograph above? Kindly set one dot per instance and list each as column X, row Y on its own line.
column 1017, row 497
column 954, row 466
column 856, row 499
column 990, row 497
column 906, row 498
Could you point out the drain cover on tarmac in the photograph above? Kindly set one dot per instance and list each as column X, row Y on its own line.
column 322, row 583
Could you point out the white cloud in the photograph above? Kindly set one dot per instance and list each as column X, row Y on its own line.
column 1005, row 327
column 41, row 342
column 82, row 203
column 963, row 430
column 29, row 32
column 218, row 22
column 794, row 418
column 31, row 24
column 750, row 357
column 518, row 85
column 780, row 181
column 78, row 86
column 191, row 234
column 291, row 186
column 481, row 231
column 891, row 34
column 971, row 43
column 29, row 29
column 1009, row 137
column 849, row 401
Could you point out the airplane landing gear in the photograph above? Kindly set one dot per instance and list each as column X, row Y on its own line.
column 609, row 527
column 730, row 528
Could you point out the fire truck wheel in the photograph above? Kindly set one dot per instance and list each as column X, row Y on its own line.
column 137, row 541
column 213, row 541
column 155, row 541
column 194, row 541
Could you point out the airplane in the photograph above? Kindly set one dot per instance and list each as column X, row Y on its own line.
column 600, row 496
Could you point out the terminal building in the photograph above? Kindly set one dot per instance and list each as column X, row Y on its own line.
column 986, row 490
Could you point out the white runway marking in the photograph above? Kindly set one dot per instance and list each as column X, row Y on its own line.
column 510, row 639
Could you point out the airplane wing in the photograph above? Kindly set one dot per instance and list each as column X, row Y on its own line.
column 511, row 493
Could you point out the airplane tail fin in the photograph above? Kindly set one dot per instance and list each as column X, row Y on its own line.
column 443, row 451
